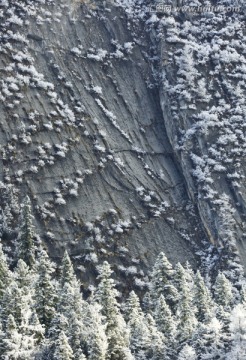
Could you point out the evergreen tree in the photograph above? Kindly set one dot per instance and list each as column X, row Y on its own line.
column 243, row 294
column 161, row 282
column 4, row 223
column 164, row 318
column 132, row 306
column 157, row 340
column 116, row 330
column 17, row 344
column 5, row 273
column 25, row 240
column 223, row 291
column 208, row 341
column 67, row 271
column 202, row 300
column 58, row 324
column 24, row 277
column 97, row 340
column 11, row 340
column 187, row 353
column 224, row 317
column 185, row 314
column 45, row 290
column 166, row 324
column 139, row 332
column 11, row 304
column 63, row 350
column 77, row 333
column 238, row 331
column 35, row 328
column 2, row 344
column 182, row 274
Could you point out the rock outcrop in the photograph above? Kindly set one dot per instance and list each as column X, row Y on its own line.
column 95, row 128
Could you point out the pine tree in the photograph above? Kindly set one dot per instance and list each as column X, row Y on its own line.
column 139, row 340
column 97, row 339
column 185, row 314
column 208, row 341
column 2, row 344
column 45, row 290
column 116, row 330
column 187, row 353
column 24, row 277
column 25, row 240
column 166, row 324
column 132, row 306
column 77, row 332
column 223, row 291
column 35, row 328
column 67, row 271
column 4, row 226
column 58, row 324
column 161, row 282
column 157, row 340
column 66, row 300
column 17, row 344
column 11, row 340
column 5, row 273
column 243, row 294
column 11, row 304
column 164, row 318
column 182, row 274
column 139, row 332
column 202, row 300
column 63, row 350
column 238, row 330
column 224, row 318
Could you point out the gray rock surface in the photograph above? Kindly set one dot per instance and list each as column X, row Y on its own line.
column 84, row 133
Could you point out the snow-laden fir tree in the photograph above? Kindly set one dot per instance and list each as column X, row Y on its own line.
column 202, row 300
column 208, row 340
column 17, row 343
column 6, row 220
column 63, row 350
column 45, row 290
column 11, row 341
column 223, row 291
column 139, row 338
column 182, row 273
column 157, row 340
column 75, row 331
column 166, row 324
column 67, row 271
column 25, row 241
column 224, row 315
column 187, row 353
column 132, row 306
column 238, row 331
column 116, row 329
column 11, row 303
column 139, row 332
column 58, row 324
column 18, row 301
column 72, row 306
column 164, row 319
column 96, row 338
column 186, row 320
column 5, row 273
column 24, row 276
column 161, row 282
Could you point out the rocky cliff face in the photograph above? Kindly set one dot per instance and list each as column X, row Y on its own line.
column 103, row 147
